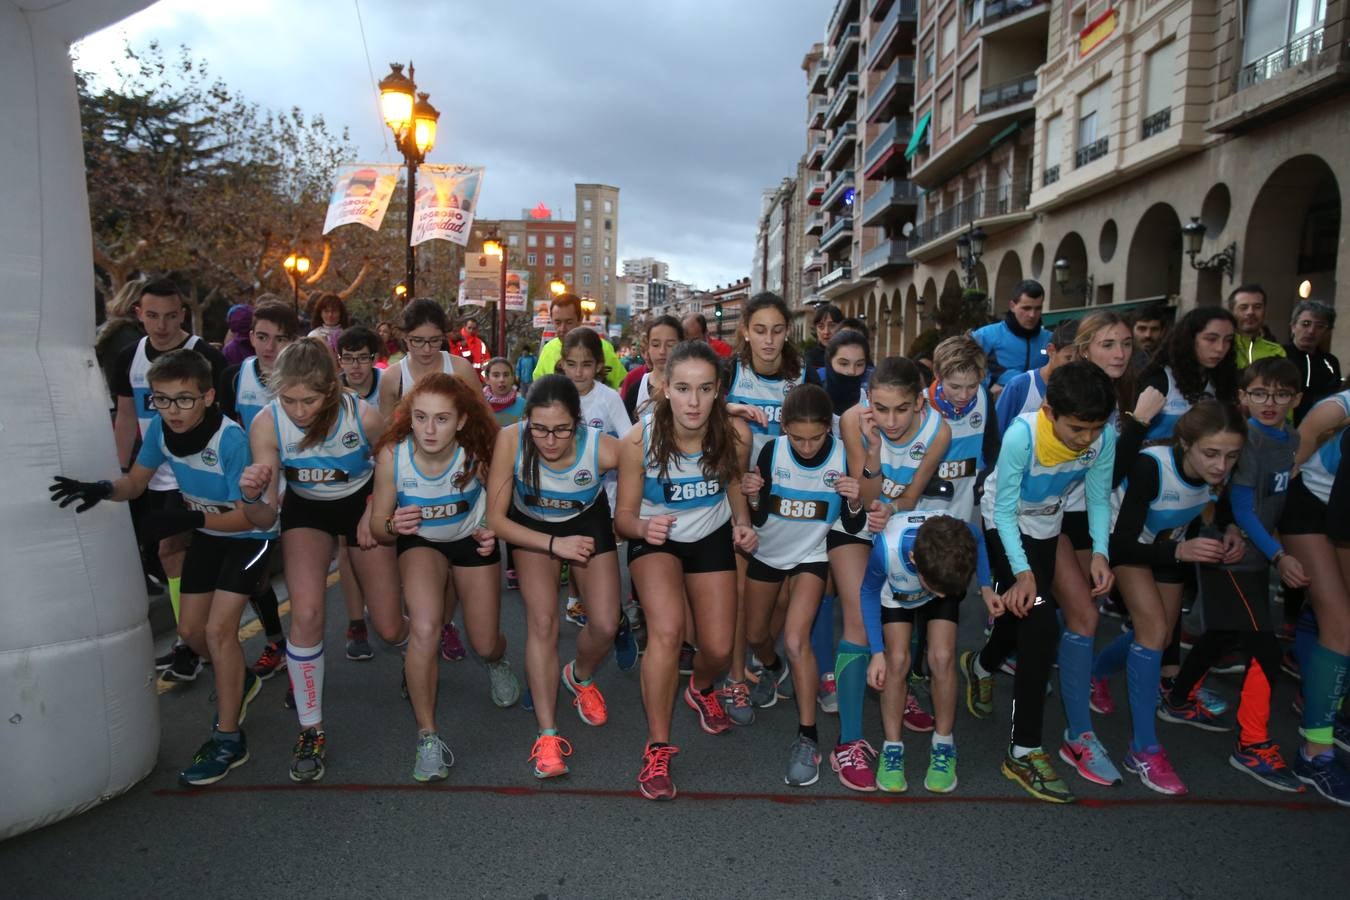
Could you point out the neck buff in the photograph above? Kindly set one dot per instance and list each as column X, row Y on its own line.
column 944, row 406
column 196, row 438
column 499, row 403
column 1050, row 450
column 844, row 390
column 1025, row 333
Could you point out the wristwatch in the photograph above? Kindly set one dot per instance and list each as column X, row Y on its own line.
column 389, row 526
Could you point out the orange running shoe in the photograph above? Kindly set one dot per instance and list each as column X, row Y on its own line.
column 547, row 755
column 587, row 698
column 654, row 780
column 712, row 718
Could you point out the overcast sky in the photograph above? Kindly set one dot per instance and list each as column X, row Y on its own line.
column 692, row 109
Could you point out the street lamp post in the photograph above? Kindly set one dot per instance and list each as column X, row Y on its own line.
column 493, row 245
column 412, row 119
column 296, row 266
column 1086, row 288
column 1225, row 260
column 969, row 249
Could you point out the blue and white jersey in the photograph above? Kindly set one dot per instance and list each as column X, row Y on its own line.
column 1319, row 472
column 698, row 501
column 561, row 494
column 405, row 379
column 963, row 461
column 1024, row 394
column 803, row 505
column 900, row 462
column 371, row 396
column 603, row 410
column 336, row 467
column 449, row 512
column 208, row 479
column 1040, row 505
column 1176, row 505
column 1174, row 407
column 764, row 392
column 250, row 392
column 895, row 545
column 163, row 479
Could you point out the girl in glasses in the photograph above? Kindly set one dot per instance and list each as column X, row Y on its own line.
column 424, row 329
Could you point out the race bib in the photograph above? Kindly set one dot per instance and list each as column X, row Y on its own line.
column 802, row 510
column 687, row 491
column 566, row 504
column 445, row 510
column 202, row 506
column 315, row 475
column 950, row 469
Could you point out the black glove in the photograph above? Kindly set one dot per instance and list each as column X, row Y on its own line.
column 66, row 491
column 164, row 523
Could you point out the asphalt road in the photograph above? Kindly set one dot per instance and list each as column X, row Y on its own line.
column 492, row 830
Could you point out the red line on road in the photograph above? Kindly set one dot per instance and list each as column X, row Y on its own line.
column 726, row 796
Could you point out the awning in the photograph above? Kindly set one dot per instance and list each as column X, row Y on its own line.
column 1010, row 130
column 1055, row 316
column 917, row 138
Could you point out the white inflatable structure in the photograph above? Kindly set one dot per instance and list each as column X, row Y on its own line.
column 79, row 721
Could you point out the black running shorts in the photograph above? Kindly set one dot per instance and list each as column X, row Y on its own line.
column 216, row 563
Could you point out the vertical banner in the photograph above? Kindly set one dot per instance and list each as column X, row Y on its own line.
column 517, row 289
column 445, row 203
column 542, row 318
column 361, row 195
column 480, row 280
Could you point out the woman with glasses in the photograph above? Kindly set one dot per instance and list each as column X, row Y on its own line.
column 546, row 500
column 425, row 326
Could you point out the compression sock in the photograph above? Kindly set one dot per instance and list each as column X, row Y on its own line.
column 822, row 635
column 304, row 665
column 1323, row 684
column 850, row 672
column 1143, row 669
column 1075, row 680
column 1253, row 712
column 1305, row 637
column 1112, row 659
column 175, row 594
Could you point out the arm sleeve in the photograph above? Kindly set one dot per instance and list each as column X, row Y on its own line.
column 121, row 372
column 874, row 582
column 993, row 432
column 1010, row 403
column 1098, row 490
column 1141, row 491
column 1012, row 466
column 982, row 575
column 151, row 455
column 764, row 463
column 1243, row 501
column 1128, row 445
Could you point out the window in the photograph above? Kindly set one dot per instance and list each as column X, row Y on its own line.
column 513, row 240
column 567, row 259
column 586, row 242
column 974, row 13
column 970, row 91
column 1054, row 146
column 531, row 258
column 609, row 206
column 1089, row 115
column 947, row 45
column 567, row 277
column 586, row 279
column 548, row 259
column 606, row 278
column 945, row 115
column 609, row 224
column 550, row 240
column 586, row 261
column 928, row 64
column 567, row 241
column 1158, row 80
column 586, row 205
column 606, row 262
column 532, row 241
column 607, row 247
column 587, row 224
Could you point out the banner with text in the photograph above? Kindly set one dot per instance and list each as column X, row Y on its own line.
column 445, row 203
column 361, row 195
column 517, row 289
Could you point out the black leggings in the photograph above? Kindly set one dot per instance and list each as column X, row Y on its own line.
column 1035, row 637
column 1262, row 646
column 264, row 604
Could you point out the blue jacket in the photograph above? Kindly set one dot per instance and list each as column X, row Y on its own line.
column 1009, row 350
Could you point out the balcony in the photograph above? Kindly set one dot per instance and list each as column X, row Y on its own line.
column 837, row 189
column 889, row 145
column 815, row 113
column 812, row 261
column 844, row 139
column 844, row 53
column 984, row 207
column 815, row 155
column 887, row 254
column 844, row 96
column 1009, row 93
column 838, row 233
column 1293, row 54
column 817, row 78
column 1090, row 152
column 888, row 41
column 815, row 223
column 880, row 98
column 878, row 8
column 1157, row 123
column 889, row 202
column 837, row 275
column 999, row 13
column 815, row 188
column 1050, row 175
column 1305, row 70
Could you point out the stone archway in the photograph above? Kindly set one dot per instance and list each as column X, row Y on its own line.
column 1072, row 249
column 912, row 324
column 1154, row 265
column 1007, row 277
column 884, row 326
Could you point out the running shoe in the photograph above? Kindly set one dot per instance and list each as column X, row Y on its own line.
column 941, row 777
column 764, row 689
column 587, row 698
column 1099, row 697
column 1327, row 774
column 512, row 582
column 735, row 699
column 654, row 780
column 1087, row 755
column 687, row 652
column 358, row 643
column 252, row 685
column 1289, row 665
column 827, row 695
column 1155, row 771
column 165, row 659
column 1264, row 763
column 1188, row 638
column 548, row 755
column 502, row 681
column 214, row 760
column 979, row 691
column 289, row 701
column 452, row 648
column 576, row 612
column 434, row 759
column 527, row 700
column 891, row 769
column 712, row 718
column 186, row 665
column 1009, row 666
column 271, row 661
column 916, row 717
column 1230, row 664
column 307, row 759
column 1035, row 775
column 1109, row 607
column 1340, row 730
column 853, row 763
column 803, row 763
column 1210, row 700
column 625, row 644
column 1192, row 713
column 1286, row 632
column 153, row 587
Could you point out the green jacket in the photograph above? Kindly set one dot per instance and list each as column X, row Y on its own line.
column 551, row 353
column 1249, row 350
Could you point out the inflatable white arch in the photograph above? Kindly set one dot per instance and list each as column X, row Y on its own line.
column 79, row 722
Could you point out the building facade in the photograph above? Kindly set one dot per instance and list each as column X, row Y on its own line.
column 597, row 235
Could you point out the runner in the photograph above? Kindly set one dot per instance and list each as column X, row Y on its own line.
column 646, row 382
column 358, row 348
column 425, row 326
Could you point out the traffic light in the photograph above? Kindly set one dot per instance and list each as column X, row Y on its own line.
column 717, row 310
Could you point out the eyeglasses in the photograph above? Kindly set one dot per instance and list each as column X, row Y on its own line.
column 561, row 432
column 182, row 401
column 1314, row 324
column 418, row 343
column 1261, row 398
column 356, row 359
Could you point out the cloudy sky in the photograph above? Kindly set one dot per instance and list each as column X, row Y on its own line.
column 690, row 108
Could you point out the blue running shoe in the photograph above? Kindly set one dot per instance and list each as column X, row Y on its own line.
column 214, row 760
column 527, row 700
column 1089, row 758
column 1326, row 774
column 1211, row 701
column 1264, row 763
column 625, row 645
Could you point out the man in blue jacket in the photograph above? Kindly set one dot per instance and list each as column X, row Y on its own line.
column 1017, row 344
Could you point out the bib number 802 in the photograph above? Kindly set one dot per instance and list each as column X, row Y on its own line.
column 315, row 475
column 684, row 491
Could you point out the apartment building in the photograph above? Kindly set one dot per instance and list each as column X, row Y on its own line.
column 647, row 268
column 597, row 235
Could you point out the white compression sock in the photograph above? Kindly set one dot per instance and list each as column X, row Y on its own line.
column 305, row 667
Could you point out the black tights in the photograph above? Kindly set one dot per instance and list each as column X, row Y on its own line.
column 264, row 604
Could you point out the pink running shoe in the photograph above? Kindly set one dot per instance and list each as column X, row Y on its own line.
column 1100, row 697
column 1155, row 771
column 452, row 648
column 916, row 717
column 853, row 763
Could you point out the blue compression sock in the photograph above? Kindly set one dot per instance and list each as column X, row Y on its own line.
column 822, row 635
column 1305, row 636
column 1112, row 659
column 850, row 672
column 1324, row 681
column 1143, row 671
column 1075, row 675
